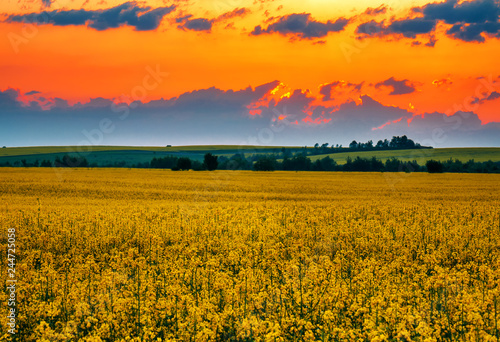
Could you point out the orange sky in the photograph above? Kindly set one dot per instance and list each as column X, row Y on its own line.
column 77, row 62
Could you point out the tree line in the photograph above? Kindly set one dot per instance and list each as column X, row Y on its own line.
column 359, row 164
column 396, row 143
column 272, row 162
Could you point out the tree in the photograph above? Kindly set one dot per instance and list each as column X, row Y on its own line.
column 210, row 162
column 353, row 145
column 46, row 163
column 167, row 162
column 316, row 166
column 434, row 166
column 393, row 165
column 328, row 164
column 184, row 164
column 197, row 166
column 69, row 161
column 286, row 164
column 265, row 163
column 236, row 162
column 301, row 163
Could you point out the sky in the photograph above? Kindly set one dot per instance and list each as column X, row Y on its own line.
column 257, row 72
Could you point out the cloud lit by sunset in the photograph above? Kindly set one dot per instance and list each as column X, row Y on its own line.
column 330, row 70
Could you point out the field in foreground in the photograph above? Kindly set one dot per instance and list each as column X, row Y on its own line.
column 116, row 254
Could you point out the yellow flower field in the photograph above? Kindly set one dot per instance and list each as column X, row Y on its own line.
column 150, row 255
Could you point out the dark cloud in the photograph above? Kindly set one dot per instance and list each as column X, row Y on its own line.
column 409, row 28
column 215, row 116
column 382, row 9
column 462, row 129
column 452, row 12
column 493, row 96
column 46, row 3
column 98, row 102
column 141, row 18
column 8, row 99
column 432, row 41
column 371, row 28
column 302, row 26
column 204, row 24
column 237, row 12
column 197, row 24
column 360, row 119
column 33, row 92
column 490, row 97
column 472, row 21
column 60, row 103
column 183, row 18
column 474, row 32
column 398, row 87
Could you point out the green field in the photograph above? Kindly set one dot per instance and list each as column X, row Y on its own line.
column 133, row 155
column 25, row 151
column 129, row 155
column 479, row 154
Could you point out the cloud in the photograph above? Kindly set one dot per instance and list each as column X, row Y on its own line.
column 197, row 24
column 398, row 87
column 337, row 87
column 443, row 82
column 302, row 26
column 490, row 97
column 452, row 12
column 8, row 98
column 471, row 21
column 432, row 41
column 215, row 116
column 236, row 13
column 46, row 3
column 204, row 24
column 33, row 92
column 382, row 9
column 493, row 96
column 409, row 28
column 98, row 102
column 474, row 32
column 371, row 28
column 126, row 14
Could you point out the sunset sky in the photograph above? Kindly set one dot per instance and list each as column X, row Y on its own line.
column 232, row 71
